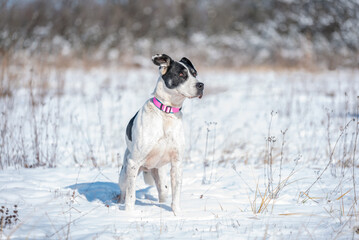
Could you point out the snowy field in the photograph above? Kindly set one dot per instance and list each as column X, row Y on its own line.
column 269, row 155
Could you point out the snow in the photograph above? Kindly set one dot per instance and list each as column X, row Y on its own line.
column 81, row 140
column 50, row 200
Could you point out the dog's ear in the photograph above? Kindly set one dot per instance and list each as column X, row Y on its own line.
column 163, row 61
column 190, row 66
column 187, row 62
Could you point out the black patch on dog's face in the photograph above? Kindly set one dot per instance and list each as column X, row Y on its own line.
column 190, row 66
column 176, row 74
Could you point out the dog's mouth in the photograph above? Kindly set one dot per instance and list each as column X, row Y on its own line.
column 198, row 96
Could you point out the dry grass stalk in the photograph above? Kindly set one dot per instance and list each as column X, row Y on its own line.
column 355, row 148
column 270, row 140
column 332, row 151
column 343, row 194
column 210, row 126
column 267, row 197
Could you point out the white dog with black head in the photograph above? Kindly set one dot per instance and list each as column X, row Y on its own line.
column 155, row 135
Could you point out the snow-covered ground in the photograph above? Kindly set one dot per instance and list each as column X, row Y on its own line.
column 74, row 121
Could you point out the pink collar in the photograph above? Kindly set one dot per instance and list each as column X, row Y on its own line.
column 162, row 107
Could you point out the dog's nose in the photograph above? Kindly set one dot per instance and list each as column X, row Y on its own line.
column 199, row 86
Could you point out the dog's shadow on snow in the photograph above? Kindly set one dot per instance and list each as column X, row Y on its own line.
column 108, row 193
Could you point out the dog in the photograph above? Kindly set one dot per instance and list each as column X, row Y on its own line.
column 155, row 135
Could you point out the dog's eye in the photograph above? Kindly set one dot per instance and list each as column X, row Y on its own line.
column 181, row 74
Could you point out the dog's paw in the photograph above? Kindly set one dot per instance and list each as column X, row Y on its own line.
column 129, row 207
column 176, row 210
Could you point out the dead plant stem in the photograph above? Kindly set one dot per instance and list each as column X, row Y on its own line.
column 330, row 157
column 355, row 148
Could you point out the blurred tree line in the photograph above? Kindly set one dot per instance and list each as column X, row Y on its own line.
column 231, row 33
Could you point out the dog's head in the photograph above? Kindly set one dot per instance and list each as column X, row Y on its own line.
column 179, row 76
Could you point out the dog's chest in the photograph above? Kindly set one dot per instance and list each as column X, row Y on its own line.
column 167, row 147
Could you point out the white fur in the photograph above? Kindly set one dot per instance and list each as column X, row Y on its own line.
column 157, row 139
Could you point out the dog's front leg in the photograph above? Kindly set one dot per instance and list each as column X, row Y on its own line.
column 176, row 180
column 130, row 197
column 159, row 175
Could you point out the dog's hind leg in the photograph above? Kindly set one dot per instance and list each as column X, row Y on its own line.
column 176, row 180
column 122, row 182
column 159, row 175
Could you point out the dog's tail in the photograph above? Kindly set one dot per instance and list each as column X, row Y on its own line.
column 147, row 176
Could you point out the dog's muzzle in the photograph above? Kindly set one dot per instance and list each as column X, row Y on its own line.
column 200, row 87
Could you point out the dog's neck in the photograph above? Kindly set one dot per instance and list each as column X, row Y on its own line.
column 169, row 97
